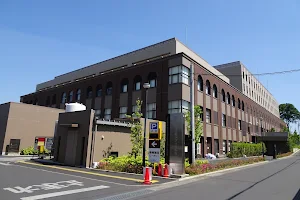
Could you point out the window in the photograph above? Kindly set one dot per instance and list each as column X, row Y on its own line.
column 78, row 95
column 208, row 115
column 223, row 120
column 179, row 106
column 185, row 106
column 47, row 101
column 135, row 109
column 109, row 88
column 99, row 91
column 98, row 113
column 243, row 107
column 240, row 125
column 200, row 83
column 152, row 79
column 124, row 88
column 207, row 87
column 201, row 114
column 223, row 95
column 243, row 75
column 152, row 83
column 249, row 129
column 233, row 101
column 64, row 98
column 252, row 93
column 70, row 96
column 124, row 85
column 179, row 74
column 228, row 98
column 215, row 91
column 107, row 114
column 54, row 100
column 137, row 83
column 89, row 92
column 36, row 101
column 246, row 77
column 239, row 104
column 122, row 112
column 151, row 111
column 244, row 86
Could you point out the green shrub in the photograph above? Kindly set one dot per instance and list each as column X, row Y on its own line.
column 238, row 149
column 199, row 162
column 126, row 163
column 28, row 151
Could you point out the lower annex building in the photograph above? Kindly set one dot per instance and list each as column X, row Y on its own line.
column 112, row 87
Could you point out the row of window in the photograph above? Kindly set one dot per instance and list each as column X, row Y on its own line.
column 225, row 98
column 178, row 74
column 108, row 91
column 151, row 111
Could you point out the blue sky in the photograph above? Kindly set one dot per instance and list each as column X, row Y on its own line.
column 43, row 39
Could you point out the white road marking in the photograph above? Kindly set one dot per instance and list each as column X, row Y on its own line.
column 43, row 170
column 6, row 164
column 56, row 194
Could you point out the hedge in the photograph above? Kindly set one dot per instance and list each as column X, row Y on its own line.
column 239, row 149
column 125, row 164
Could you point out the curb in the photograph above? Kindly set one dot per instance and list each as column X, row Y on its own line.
column 160, row 177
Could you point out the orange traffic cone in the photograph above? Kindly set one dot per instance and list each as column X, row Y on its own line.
column 166, row 171
column 159, row 170
column 147, row 176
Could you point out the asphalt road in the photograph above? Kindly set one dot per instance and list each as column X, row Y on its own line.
column 276, row 180
column 28, row 180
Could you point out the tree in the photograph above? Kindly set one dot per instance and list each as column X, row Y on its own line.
column 136, row 128
column 289, row 113
column 198, row 123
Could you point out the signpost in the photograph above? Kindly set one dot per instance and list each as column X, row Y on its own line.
column 154, row 141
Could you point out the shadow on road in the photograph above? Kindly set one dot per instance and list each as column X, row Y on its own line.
column 297, row 196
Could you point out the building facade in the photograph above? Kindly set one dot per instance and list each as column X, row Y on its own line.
column 112, row 87
column 241, row 78
column 21, row 123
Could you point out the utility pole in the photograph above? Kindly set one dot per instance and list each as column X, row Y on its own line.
column 192, row 125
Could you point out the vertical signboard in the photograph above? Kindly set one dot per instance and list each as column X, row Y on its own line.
column 154, row 151
column 176, row 142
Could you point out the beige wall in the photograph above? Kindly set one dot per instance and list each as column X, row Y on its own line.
column 25, row 122
column 119, row 138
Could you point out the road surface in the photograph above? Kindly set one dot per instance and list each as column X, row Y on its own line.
column 276, row 180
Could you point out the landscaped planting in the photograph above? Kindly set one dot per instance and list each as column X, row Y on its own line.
column 284, row 154
column 208, row 167
column 127, row 163
column 239, row 149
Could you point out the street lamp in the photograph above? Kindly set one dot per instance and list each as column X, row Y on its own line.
column 261, row 132
column 146, row 86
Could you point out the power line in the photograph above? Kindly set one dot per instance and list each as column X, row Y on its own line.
column 261, row 74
